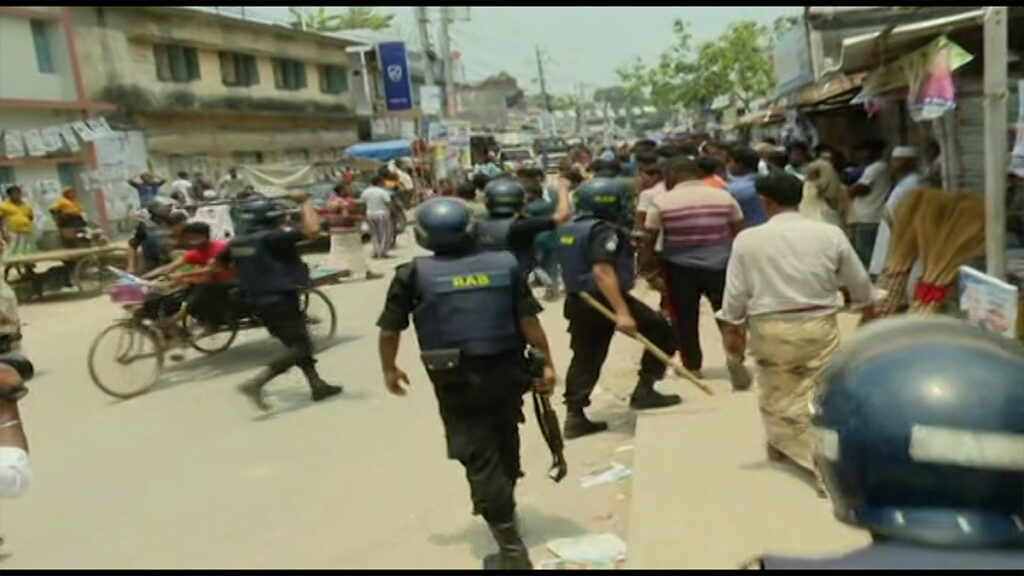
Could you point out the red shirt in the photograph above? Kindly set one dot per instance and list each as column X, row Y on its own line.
column 202, row 257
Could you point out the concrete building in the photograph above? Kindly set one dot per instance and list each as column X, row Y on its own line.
column 41, row 86
column 211, row 91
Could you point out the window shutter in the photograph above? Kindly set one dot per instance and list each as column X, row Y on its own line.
column 192, row 63
column 163, row 64
column 179, row 69
column 300, row 68
column 228, row 72
column 278, row 73
column 252, row 70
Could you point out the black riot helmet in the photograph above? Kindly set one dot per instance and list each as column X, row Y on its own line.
column 259, row 213
column 444, row 226
column 504, row 197
column 919, row 427
column 603, row 198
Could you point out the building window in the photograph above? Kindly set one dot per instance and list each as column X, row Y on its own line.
column 44, row 59
column 289, row 74
column 333, row 79
column 66, row 175
column 6, row 178
column 238, row 69
column 176, row 63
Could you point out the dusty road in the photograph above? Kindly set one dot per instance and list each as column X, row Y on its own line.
column 188, row 476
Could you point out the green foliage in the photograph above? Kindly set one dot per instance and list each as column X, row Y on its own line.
column 355, row 18
column 737, row 64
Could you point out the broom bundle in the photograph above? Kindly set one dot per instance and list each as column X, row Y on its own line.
column 903, row 249
column 951, row 233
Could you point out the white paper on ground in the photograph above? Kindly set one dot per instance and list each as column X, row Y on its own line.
column 613, row 474
column 603, row 549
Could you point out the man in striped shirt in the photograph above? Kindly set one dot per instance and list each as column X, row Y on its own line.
column 699, row 224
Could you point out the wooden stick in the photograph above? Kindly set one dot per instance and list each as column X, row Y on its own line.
column 650, row 347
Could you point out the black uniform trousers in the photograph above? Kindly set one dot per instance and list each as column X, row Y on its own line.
column 590, row 335
column 481, row 407
column 686, row 285
column 282, row 316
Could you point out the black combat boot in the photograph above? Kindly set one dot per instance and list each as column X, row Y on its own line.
column 322, row 390
column 253, row 388
column 645, row 397
column 577, row 424
column 512, row 553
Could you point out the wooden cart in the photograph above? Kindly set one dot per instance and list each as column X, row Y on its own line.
column 87, row 269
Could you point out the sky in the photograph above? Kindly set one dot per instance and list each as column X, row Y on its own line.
column 582, row 44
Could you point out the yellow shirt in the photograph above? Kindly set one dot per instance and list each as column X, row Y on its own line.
column 67, row 207
column 17, row 217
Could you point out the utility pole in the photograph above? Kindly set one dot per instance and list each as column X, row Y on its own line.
column 446, row 50
column 995, row 89
column 543, row 84
column 424, row 22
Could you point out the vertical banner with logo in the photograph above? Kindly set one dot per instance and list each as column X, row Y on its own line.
column 394, row 69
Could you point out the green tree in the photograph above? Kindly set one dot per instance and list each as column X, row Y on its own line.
column 356, row 18
column 737, row 64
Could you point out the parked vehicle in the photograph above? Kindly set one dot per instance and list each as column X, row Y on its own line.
column 512, row 159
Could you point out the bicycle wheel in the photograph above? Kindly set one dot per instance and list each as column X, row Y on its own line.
column 91, row 275
column 320, row 315
column 209, row 341
column 138, row 359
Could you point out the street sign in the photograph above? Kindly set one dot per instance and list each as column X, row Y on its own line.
column 431, row 100
column 394, row 70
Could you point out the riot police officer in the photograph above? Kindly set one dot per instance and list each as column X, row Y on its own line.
column 507, row 228
column 921, row 442
column 474, row 315
column 271, row 274
column 596, row 258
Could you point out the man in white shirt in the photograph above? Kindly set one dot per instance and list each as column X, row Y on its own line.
column 231, row 185
column 904, row 169
column 181, row 189
column 782, row 284
column 868, row 198
column 378, row 215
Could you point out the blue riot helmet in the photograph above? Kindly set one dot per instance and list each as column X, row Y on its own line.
column 603, row 198
column 259, row 213
column 504, row 197
column 444, row 225
column 919, row 427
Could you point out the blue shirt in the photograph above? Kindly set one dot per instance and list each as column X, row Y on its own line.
column 147, row 191
column 743, row 190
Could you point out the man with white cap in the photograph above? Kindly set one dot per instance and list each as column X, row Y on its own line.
column 903, row 166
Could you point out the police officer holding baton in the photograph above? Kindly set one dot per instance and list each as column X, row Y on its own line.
column 474, row 315
column 596, row 258
column 272, row 275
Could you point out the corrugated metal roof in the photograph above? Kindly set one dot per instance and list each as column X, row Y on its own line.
column 862, row 52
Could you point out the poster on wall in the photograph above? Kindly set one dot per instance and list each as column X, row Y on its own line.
column 83, row 131
column 67, row 134
column 52, row 140
column 13, row 144
column 1017, row 156
column 988, row 302
column 34, row 143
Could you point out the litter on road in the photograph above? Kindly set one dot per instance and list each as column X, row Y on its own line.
column 590, row 552
column 613, row 474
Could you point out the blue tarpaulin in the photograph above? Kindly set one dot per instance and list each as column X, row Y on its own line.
column 382, row 151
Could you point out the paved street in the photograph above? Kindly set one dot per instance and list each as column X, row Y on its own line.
column 189, row 476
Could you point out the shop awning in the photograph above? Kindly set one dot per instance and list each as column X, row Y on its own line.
column 382, row 151
column 875, row 49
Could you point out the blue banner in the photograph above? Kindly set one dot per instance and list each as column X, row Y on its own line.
column 394, row 70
